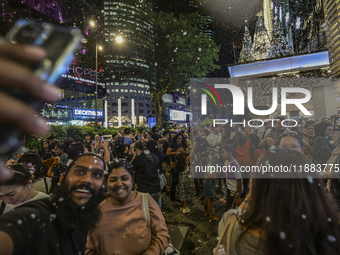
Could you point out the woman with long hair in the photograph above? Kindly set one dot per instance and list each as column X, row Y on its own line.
column 124, row 227
column 18, row 189
column 177, row 145
column 292, row 216
column 45, row 151
column 183, row 189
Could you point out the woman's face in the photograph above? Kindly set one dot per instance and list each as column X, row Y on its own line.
column 14, row 194
column 328, row 131
column 97, row 137
column 119, row 185
column 224, row 132
column 246, row 130
column 179, row 139
column 45, row 145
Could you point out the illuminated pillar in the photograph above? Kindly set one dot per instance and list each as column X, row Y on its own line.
column 133, row 112
column 119, row 112
column 105, row 114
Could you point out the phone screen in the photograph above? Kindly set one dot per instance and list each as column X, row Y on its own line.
column 336, row 124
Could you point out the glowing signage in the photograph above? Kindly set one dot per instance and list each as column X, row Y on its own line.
column 87, row 113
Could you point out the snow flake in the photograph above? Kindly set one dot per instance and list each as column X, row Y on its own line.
column 331, row 238
column 33, row 216
column 282, row 235
column 19, row 222
column 304, row 216
column 53, row 216
column 310, row 179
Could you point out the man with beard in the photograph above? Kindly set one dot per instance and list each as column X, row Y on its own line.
column 58, row 225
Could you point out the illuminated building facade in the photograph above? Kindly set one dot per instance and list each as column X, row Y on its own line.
column 332, row 18
column 126, row 19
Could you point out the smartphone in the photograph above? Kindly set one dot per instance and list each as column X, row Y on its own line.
column 336, row 124
column 59, row 44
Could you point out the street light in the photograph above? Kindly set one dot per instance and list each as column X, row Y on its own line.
column 119, row 39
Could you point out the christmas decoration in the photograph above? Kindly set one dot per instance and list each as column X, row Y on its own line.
column 268, row 16
column 247, row 53
column 280, row 47
column 261, row 39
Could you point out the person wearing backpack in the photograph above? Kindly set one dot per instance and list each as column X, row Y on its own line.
column 145, row 165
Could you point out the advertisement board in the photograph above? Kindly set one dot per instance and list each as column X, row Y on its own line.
column 87, row 113
column 177, row 115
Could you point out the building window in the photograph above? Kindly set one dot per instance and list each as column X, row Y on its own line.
column 141, row 111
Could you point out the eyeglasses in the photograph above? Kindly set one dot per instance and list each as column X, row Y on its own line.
column 290, row 147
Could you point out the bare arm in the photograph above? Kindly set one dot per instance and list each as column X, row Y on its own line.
column 6, row 244
column 170, row 153
column 106, row 152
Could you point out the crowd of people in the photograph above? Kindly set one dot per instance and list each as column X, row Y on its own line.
column 135, row 162
column 86, row 195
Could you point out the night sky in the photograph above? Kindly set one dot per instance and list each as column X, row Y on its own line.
column 229, row 18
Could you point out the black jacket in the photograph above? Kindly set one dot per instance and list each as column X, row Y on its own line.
column 146, row 174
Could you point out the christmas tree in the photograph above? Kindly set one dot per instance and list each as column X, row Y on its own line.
column 247, row 53
column 261, row 39
column 280, row 47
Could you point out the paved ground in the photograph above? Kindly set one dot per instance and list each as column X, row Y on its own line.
column 192, row 233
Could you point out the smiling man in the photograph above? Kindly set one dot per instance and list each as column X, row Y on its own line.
column 59, row 225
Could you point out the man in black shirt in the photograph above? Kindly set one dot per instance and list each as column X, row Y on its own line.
column 57, row 225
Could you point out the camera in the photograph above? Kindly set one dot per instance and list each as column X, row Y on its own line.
column 59, row 44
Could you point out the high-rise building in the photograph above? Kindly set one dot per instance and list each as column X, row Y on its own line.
column 332, row 19
column 127, row 20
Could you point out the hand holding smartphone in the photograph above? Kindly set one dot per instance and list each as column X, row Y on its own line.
column 26, row 75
